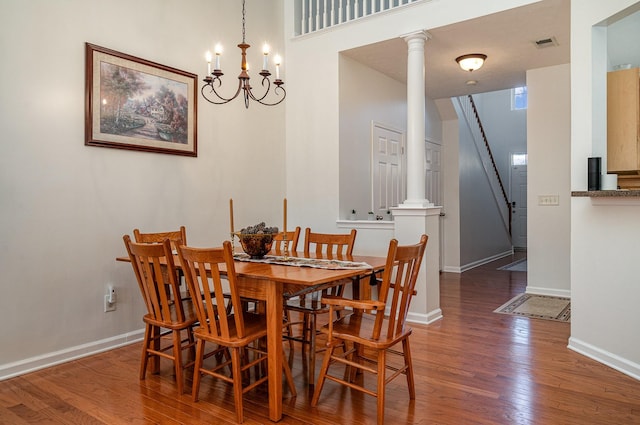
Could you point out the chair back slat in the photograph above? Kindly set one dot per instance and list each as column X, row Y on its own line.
column 398, row 284
column 156, row 274
column 291, row 239
column 203, row 268
column 329, row 245
column 176, row 237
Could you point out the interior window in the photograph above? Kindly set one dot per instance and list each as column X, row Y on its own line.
column 519, row 98
column 519, row 159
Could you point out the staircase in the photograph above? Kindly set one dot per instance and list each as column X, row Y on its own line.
column 469, row 115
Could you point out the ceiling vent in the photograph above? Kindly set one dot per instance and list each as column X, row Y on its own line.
column 546, row 42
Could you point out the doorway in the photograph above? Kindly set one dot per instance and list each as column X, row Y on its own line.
column 518, row 196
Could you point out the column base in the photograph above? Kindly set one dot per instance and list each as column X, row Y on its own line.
column 416, row 203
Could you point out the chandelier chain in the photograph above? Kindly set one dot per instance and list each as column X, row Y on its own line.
column 243, row 21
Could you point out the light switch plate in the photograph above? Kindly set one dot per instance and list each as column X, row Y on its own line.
column 548, row 200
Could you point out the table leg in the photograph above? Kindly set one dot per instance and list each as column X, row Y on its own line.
column 274, row 347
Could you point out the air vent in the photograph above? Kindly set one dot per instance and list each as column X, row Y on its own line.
column 546, row 42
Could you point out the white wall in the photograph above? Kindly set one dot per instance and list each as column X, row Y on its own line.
column 359, row 106
column 549, row 142
column 604, row 238
column 65, row 206
column 506, row 129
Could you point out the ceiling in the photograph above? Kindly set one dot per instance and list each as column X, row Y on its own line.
column 507, row 38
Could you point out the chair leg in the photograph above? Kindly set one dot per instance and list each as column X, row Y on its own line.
column 177, row 359
column 145, row 357
column 287, row 319
column 322, row 375
column 289, row 377
column 237, row 383
column 409, row 372
column 381, row 387
column 196, row 369
column 312, row 349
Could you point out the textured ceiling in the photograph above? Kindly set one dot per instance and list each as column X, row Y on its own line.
column 507, row 38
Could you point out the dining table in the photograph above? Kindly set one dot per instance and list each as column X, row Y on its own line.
column 269, row 282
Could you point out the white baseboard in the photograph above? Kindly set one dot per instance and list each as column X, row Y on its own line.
column 537, row 290
column 481, row 262
column 9, row 370
column 452, row 269
column 425, row 319
column 613, row 361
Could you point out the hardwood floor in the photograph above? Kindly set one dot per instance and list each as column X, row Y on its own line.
column 472, row 367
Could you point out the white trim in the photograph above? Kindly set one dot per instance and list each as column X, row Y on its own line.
column 425, row 319
column 365, row 224
column 20, row 367
column 452, row 269
column 609, row 359
column 537, row 290
column 486, row 260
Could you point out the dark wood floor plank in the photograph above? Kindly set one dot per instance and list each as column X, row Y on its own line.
column 472, row 367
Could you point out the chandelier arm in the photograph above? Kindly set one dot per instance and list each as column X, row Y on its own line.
column 265, row 81
column 277, row 89
column 212, row 88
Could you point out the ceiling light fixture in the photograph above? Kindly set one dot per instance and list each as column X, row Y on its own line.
column 212, row 80
column 471, row 62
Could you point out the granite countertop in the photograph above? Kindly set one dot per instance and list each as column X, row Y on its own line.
column 626, row 193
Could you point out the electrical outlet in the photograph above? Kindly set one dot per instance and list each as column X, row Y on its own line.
column 548, row 200
column 107, row 305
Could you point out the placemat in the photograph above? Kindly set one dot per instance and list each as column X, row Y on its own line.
column 318, row 263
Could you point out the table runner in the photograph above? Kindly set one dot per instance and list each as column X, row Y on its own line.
column 318, row 263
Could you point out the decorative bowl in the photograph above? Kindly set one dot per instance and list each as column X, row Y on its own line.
column 256, row 245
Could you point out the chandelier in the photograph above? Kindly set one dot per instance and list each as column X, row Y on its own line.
column 213, row 82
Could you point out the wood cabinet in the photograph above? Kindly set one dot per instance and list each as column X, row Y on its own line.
column 623, row 125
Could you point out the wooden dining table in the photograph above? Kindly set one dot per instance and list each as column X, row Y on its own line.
column 269, row 282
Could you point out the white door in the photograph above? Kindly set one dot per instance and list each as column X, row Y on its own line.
column 519, row 202
column 433, row 183
column 433, row 173
column 387, row 168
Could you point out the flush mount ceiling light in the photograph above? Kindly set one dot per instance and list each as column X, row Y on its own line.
column 471, row 62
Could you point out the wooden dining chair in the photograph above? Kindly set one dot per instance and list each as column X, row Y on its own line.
column 176, row 237
column 233, row 329
column 155, row 272
column 309, row 304
column 375, row 332
column 292, row 237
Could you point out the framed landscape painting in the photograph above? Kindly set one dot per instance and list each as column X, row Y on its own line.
column 132, row 103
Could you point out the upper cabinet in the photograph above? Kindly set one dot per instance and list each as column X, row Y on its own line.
column 623, row 121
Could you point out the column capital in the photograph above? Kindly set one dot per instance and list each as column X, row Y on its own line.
column 416, row 35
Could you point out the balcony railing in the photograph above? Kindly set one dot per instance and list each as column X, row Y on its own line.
column 316, row 15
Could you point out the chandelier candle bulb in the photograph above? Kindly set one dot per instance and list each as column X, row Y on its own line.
column 265, row 51
column 277, row 60
column 208, row 57
column 218, row 53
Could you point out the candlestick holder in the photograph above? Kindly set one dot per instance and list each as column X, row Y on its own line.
column 233, row 249
column 286, row 246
